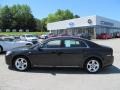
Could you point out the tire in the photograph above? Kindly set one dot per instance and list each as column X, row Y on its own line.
column 1, row 49
column 21, row 63
column 93, row 65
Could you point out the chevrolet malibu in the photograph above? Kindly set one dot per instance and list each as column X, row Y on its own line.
column 62, row 51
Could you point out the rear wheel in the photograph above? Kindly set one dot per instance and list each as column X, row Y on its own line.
column 21, row 64
column 93, row 65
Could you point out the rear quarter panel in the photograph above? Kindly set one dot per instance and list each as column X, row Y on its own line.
column 92, row 52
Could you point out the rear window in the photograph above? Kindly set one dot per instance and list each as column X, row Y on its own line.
column 74, row 43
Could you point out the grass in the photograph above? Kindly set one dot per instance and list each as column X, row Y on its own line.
column 21, row 33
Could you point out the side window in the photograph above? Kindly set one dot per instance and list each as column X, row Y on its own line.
column 74, row 43
column 53, row 44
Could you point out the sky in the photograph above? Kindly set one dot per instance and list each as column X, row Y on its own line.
column 41, row 8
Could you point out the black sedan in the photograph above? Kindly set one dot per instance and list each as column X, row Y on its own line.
column 62, row 51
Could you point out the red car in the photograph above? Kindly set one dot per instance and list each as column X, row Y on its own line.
column 104, row 36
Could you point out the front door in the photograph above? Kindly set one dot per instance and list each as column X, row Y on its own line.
column 48, row 55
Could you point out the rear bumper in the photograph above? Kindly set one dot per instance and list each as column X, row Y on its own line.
column 108, row 60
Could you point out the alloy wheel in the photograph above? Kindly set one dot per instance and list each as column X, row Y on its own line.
column 93, row 66
column 21, row 64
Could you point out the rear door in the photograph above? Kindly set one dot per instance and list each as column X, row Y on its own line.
column 73, row 52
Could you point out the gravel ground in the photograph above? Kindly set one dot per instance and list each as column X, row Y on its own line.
column 63, row 78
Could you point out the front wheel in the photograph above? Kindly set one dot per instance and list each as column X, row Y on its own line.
column 93, row 65
column 21, row 64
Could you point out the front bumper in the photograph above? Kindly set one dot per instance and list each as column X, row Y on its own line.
column 8, row 59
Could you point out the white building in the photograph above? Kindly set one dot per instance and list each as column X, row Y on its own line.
column 93, row 25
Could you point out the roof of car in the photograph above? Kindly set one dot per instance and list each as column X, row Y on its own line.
column 64, row 37
column 90, row 43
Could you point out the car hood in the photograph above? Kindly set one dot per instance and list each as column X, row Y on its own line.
column 19, row 49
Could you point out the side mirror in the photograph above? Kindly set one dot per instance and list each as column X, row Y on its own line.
column 40, row 47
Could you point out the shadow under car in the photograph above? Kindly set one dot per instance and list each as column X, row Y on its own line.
column 58, row 70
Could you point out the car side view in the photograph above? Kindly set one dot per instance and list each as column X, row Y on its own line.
column 7, row 44
column 62, row 51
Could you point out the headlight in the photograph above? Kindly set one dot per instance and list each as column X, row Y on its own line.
column 8, row 53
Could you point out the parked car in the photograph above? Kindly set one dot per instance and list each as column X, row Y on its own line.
column 7, row 43
column 11, row 38
column 64, row 34
column 38, row 36
column 44, row 36
column 104, row 36
column 30, row 38
column 116, row 35
column 62, row 51
column 17, row 37
column 48, row 35
column 52, row 35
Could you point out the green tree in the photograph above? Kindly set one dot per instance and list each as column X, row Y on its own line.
column 5, row 17
column 60, row 15
column 22, row 17
column 0, row 19
column 44, row 24
column 15, row 10
column 38, row 25
column 76, row 16
column 17, row 17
